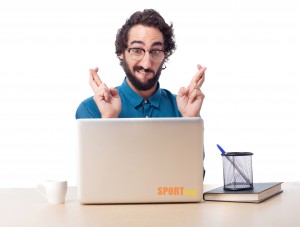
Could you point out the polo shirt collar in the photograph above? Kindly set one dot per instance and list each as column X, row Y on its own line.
column 136, row 99
column 155, row 98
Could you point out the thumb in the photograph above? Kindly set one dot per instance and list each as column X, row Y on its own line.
column 114, row 92
column 182, row 91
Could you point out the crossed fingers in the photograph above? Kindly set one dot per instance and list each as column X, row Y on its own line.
column 198, row 79
column 102, row 92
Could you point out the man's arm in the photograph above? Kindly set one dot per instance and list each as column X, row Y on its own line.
column 87, row 109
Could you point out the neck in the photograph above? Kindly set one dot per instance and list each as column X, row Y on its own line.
column 144, row 94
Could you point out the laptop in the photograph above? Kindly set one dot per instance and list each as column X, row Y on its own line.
column 140, row 160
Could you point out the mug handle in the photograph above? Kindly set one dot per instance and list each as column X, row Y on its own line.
column 41, row 189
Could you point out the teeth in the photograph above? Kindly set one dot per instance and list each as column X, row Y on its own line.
column 143, row 72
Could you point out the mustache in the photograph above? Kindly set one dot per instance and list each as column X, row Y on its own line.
column 139, row 68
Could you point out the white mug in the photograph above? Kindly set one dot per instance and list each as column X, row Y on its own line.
column 54, row 191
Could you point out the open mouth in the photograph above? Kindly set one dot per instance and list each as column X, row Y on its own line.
column 143, row 72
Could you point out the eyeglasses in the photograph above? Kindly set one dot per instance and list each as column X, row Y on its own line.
column 138, row 53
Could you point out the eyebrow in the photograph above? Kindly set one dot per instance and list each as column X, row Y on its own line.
column 140, row 42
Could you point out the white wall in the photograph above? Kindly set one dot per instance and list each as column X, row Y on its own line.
column 251, row 50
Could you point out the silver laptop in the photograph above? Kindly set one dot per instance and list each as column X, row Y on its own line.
column 140, row 160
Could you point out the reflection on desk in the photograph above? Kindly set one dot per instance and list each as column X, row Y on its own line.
column 26, row 207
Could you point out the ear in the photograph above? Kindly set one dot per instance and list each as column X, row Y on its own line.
column 121, row 56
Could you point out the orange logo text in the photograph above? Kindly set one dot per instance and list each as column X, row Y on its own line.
column 175, row 191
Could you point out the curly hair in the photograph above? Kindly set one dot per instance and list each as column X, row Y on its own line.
column 151, row 18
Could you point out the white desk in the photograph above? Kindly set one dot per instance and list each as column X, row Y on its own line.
column 26, row 207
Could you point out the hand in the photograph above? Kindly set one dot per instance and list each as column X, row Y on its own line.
column 108, row 100
column 190, row 99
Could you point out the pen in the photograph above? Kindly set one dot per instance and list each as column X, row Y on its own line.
column 221, row 149
column 234, row 165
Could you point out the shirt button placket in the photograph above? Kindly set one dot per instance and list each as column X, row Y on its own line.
column 146, row 106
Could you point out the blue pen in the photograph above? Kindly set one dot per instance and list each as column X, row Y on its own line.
column 221, row 149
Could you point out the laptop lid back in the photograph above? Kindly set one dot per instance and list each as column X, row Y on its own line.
column 140, row 160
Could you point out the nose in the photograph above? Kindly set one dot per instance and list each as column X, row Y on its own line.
column 146, row 61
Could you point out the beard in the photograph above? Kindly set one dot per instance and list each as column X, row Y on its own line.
column 139, row 85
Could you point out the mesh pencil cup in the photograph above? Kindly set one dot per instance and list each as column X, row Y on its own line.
column 237, row 171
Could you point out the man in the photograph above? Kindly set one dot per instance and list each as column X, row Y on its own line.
column 143, row 45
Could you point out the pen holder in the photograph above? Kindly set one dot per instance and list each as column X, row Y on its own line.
column 237, row 171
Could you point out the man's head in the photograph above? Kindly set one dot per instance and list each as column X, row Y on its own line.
column 143, row 44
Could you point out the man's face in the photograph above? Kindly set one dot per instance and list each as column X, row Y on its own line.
column 144, row 73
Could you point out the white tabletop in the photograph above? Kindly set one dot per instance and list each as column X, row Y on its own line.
column 26, row 207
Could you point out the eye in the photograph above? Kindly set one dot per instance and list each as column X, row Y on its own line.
column 136, row 51
column 155, row 52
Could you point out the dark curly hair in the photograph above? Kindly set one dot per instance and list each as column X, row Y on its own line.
column 151, row 18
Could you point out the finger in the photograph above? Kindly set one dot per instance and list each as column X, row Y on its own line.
column 200, row 95
column 201, row 72
column 183, row 91
column 114, row 92
column 105, row 92
column 93, row 84
column 196, row 94
column 95, row 76
column 101, row 92
column 193, row 95
column 198, row 79
column 95, row 69
column 201, row 80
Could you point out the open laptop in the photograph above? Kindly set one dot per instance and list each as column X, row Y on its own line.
column 140, row 160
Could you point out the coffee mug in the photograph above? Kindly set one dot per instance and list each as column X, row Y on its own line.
column 54, row 191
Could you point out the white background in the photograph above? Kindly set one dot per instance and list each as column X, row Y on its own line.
column 251, row 50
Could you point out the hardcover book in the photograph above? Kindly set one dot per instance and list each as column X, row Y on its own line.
column 259, row 193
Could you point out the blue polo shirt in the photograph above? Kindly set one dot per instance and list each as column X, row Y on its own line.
column 161, row 104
